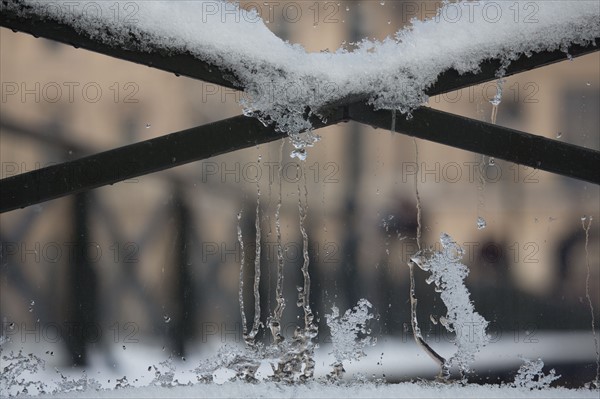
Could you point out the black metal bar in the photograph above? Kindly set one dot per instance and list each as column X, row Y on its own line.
column 134, row 160
column 138, row 159
column 451, row 80
column 125, row 47
column 492, row 140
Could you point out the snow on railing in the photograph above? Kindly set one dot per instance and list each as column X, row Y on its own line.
column 285, row 84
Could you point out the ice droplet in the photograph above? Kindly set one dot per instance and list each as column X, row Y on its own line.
column 481, row 223
column 421, row 261
column 299, row 153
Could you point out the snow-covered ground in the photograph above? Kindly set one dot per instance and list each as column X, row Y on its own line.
column 320, row 390
column 144, row 367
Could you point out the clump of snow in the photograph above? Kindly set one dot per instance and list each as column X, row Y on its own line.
column 17, row 372
column 448, row 274
column 350, row 333
column 82, row 384
column 285, row 85
column 531, row 376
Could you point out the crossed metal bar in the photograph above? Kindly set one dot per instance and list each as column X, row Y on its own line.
column 240, row 132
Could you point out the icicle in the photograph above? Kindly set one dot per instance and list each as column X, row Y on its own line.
column 310, row 329
column 481, row 193
column 256, row 323
column 586, row 228
column 417, row 196
column 304, row 295
column 497, row 99
column 241, row 288
column 444, row 372
column 275, row 323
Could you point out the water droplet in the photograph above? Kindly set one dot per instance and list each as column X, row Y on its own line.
column 148, row 126
column 124, row 347
column 149, row 368
column 70, row 152
column 389, row 22
column 167, row 319
column 583, row 218
column 347, row 8
column 481, row 223
column 588, row 83
column 32, row 303
column 382, row 3
column 535, row 220
column 492, row 161
column 559, row 135
column 173, row 159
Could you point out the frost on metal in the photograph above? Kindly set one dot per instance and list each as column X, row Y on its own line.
column 285, row 85
column 448, row 274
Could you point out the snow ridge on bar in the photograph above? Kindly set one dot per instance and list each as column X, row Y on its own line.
column 285, row 85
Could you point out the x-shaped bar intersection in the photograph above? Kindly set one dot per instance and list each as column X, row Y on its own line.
column 240, row 132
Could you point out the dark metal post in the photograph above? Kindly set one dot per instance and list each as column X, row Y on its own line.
column 183, row 322
column 82, row 308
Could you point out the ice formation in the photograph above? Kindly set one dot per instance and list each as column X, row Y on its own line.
column 350, row 333
column 531, row 376
column 285, row 84
column 448, row 274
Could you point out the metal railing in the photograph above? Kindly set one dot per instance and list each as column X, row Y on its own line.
column 240, row 132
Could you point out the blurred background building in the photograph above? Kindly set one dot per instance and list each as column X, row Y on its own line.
column 154, row 261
